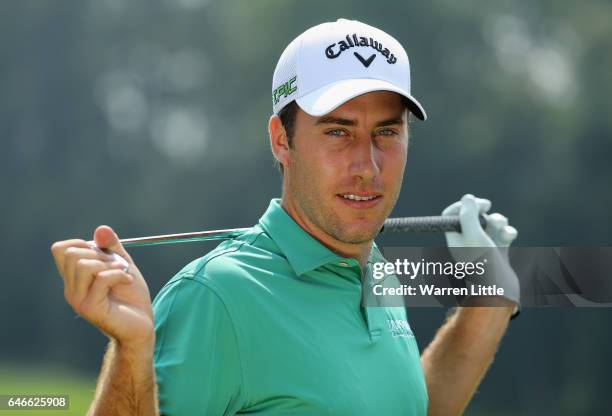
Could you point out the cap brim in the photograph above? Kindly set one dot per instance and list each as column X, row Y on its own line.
column 326, row 99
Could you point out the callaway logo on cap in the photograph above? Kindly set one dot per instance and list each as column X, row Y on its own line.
column 333, row 62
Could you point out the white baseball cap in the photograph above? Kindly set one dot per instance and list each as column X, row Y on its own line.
column 334, row 62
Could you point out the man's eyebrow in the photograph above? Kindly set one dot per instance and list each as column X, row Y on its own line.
column 349, row 122
column 336, row 120
column 391, row 122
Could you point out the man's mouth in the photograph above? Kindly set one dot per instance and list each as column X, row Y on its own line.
column 360, row 200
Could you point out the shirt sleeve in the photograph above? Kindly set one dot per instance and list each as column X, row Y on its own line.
column 197, row 360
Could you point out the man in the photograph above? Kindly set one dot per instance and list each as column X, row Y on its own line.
column 272, row 322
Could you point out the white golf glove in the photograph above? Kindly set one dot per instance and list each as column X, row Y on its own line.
column 494, row 241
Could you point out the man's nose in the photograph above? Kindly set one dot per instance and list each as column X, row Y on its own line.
column 364, row 159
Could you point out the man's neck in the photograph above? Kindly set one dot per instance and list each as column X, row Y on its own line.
column 359, row 252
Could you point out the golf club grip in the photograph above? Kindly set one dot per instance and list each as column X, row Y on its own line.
column 429, row 224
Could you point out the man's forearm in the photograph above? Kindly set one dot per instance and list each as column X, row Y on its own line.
column 460, row 354
column 126, row 385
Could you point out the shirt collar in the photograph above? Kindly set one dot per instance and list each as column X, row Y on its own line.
column 303, row 252
column 376, row 255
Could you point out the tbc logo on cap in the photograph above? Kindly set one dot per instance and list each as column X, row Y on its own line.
column 354, row 41
column 284, row 90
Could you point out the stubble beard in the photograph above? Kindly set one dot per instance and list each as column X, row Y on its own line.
column 309, row 197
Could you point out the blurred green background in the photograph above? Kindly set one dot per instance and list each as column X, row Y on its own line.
column 151, row 116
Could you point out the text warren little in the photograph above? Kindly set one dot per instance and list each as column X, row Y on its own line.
column 432, row 290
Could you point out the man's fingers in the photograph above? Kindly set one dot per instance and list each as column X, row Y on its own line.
column 74, row 254
column 452, row 209
column 498, row 229
column 496, row 221
column 495, row 225
column 468, row 216
column 507, row 236
column 85, row 270
column 58, row 250
column 106, row 238
column 101, row 285
column 484, row 205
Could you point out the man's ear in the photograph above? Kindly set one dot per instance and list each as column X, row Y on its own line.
column 279, row 142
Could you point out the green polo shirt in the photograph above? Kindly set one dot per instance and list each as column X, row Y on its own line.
column 271, row 323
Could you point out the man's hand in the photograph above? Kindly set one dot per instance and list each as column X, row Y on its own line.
column 498, row 233
column 117, row 301
column 494, row 241
column 465, row 345
column 98, row 289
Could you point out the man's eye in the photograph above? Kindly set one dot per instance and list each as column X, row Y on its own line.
column 386, row 132
column 336, row 132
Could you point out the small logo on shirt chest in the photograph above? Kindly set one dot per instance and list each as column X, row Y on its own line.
column 399, row 328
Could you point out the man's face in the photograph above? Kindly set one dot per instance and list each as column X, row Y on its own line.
column 357, row 151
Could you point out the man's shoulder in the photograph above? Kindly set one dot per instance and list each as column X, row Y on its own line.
column 236, row 264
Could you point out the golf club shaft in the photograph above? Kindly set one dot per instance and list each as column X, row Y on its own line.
column 391, row 225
